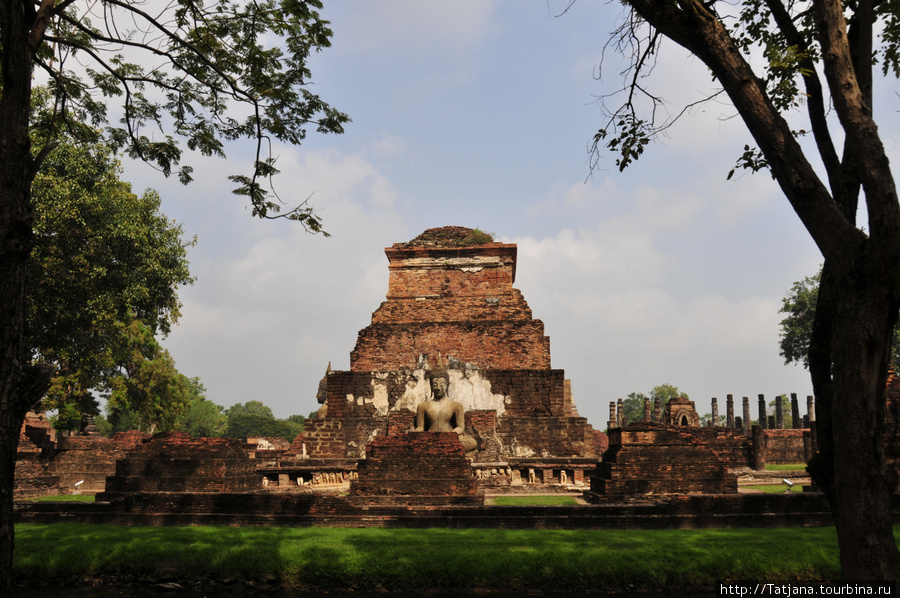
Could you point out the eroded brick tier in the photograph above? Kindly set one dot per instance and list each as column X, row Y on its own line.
column 452, row 300
column 176, row 462
column 416, row 464
column 647, row 458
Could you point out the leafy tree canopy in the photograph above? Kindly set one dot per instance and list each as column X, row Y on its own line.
column 103, row 257
column 147, row 386
column 634, row 404
column 203, row 417
column 253, row 418
column 796, row 328
column 209, row 73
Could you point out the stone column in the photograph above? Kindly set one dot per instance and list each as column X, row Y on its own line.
column 811, row 416
column 612, row 416
column 729, row 411
column 796, row 423
column 762, row 412
column 715, row 412
column 746, row 421
column 646, row 409
column 738, row 422
column 759, row 447
column 620, row 413
column 657, row 410
column 779, row 413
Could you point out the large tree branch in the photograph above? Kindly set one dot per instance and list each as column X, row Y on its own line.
column 855, row 115
column 692, row 25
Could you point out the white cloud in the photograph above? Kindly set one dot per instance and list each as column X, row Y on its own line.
column 415, row 27
column 264, row 322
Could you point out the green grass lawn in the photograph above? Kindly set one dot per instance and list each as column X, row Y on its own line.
column 409, row 559
column 525, row 500
column 786, row 467
column 65, row 498
column 772, row 488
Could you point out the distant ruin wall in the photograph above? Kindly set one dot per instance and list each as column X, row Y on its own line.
column 786, row 446
column 648, row 459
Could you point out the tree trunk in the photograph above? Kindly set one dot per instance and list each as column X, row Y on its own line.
column 20, row 385
column 864, row 317
column 821, row 466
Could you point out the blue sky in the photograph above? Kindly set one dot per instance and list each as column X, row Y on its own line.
column 479, row 114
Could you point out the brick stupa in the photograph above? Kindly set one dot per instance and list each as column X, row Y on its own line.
column 451, row 302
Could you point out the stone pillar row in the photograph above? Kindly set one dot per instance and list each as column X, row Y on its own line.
column 765, row 420
column 654, row 413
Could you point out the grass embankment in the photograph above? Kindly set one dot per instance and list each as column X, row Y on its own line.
column 786, row 467
column 537, row 500
column 407, row 559
column 64, row 498
column 771, row 488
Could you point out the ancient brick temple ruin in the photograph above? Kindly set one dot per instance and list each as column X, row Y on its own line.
column 451, row 303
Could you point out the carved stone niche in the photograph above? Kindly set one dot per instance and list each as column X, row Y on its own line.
column 680, row 412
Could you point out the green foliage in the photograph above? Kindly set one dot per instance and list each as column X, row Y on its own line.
column 202, row 418
column 706, row 420
column 253, row 418
column 250, row 408
column 664, row 392
column 103, row 257
column 633, row 407
column 209, row 73
column 149, row 389
column 796, row 328
column 630, row 135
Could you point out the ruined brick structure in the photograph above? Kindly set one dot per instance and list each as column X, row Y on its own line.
column 48, row 465
column 646, row 458
column 892, row 421
column 177, row 462
column 418, row 465
column 451, row 299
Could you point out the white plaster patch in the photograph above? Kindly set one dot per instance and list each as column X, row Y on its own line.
column 523, row 451
column 380, row 399
column 472, row 269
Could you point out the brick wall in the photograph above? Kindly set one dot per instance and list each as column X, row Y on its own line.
column 645, row 458
column 547, row 437
column 532, row 393
column 415, row 464
column 785, row 446
column 339, row 438
column 497, row 344
column 58, row 467
column 176, row 462
column 455, row 301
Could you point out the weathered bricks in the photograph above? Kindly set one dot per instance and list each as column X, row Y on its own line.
column 646, row 458
column 177, row 462
column 416, row 464
column 455, row 301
